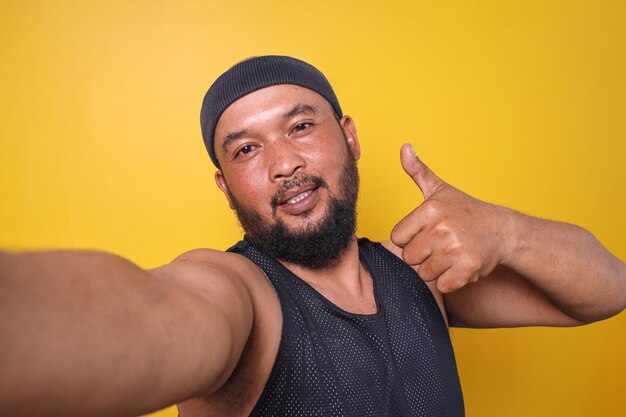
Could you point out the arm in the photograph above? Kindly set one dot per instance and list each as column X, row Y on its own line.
column 499, row 268
column 87, row 333
column 554, row 274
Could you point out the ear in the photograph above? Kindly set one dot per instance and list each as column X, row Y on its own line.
column 221, row 182
column 349, row 132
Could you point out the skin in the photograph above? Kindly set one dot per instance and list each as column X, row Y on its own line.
column 212, row 321
column 278, row 148
column 443, row 239
column 524, row 271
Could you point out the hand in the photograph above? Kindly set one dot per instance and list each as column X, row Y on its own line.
column 451, row 237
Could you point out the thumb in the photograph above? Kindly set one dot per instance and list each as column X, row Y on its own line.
column 425, row 179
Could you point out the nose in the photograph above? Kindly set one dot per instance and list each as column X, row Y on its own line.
column 285, row 161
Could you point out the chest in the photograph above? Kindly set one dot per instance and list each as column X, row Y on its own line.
column 331, row 362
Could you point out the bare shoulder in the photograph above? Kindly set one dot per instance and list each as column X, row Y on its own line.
column 432, row 285
column 205, row 271
column 227, row 279
column 393, row 248
column 200, row 270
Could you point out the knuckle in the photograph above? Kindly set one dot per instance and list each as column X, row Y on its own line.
column 443, row 285
column 442, row 229
column 470, row 265
column 408, row 257
column 452, row 249
column 397, row 237
column 450, row 284
column 465, row 274
column 424, row 273
column 455, row 241
column 430, row 209
column 415, row 253
column 457, row 285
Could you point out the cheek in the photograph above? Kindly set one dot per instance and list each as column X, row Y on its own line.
column 326, row 149
column 331, row 159
column 246, row 191
column 249, row 190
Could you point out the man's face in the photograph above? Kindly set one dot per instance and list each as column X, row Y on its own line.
column 288, row 169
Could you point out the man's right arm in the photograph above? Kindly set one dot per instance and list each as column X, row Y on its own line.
column 89, row 333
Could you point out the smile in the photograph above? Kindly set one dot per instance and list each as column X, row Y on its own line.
column 300, row 203
column 299, row 197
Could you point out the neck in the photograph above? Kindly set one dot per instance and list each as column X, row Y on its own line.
column 346, row 283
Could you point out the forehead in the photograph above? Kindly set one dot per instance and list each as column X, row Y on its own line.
column 266, row 104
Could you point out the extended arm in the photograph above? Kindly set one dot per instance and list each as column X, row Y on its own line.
column 87, row 333
column 500, row 268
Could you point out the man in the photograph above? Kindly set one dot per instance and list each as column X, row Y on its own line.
column 310, row 320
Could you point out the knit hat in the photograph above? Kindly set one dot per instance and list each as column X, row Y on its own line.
column 254, row 74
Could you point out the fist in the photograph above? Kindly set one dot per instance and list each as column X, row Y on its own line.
column 451, row 237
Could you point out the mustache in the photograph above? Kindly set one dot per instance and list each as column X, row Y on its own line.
column 297, row 181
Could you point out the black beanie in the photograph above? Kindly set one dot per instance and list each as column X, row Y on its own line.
column 251, row 75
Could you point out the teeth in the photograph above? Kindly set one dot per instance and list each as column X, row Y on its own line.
column 298, row 197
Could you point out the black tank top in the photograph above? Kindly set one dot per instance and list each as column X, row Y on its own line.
column 331, row 363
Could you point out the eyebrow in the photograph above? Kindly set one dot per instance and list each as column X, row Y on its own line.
column 233, row 136
column 299, row 108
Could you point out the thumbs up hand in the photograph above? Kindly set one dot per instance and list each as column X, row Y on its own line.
column 451, row 237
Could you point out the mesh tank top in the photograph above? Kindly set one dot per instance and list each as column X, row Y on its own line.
column 332, row 363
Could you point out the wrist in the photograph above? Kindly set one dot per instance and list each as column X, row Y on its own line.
column 514, row 232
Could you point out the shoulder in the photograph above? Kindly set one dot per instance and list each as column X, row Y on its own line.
column 200, row 267
column 211, row 273
column 205, row 270
column 432, row 285
column 393, row 248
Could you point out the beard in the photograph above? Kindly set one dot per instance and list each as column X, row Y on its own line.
column 316, row 246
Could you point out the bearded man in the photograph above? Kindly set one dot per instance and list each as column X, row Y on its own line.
column 300, row 317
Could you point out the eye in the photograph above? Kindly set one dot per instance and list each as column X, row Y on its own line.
column 246, row 149
column 301, row 126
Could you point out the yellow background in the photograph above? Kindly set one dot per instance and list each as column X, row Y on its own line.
column 522, row 103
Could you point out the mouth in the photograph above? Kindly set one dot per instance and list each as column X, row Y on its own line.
column 296, row 189
column 295, row 195
column 301, row 203
column 298, row 195
column 298, row 199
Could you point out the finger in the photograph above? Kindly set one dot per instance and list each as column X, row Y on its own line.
column 413, row 223
column 418, row 249
column 454, row 279
column 434, row 267
column 406, row 228
column 425, row 179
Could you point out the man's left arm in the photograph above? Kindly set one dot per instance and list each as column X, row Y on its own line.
column 555, row 274
column 500, row 268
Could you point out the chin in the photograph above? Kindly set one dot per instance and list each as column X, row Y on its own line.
column 314, row 239
column 307, row 221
